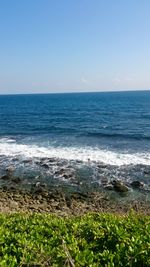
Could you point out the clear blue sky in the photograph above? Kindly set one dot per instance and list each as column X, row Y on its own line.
column 74, row 45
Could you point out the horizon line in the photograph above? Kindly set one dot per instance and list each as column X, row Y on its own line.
column 77, row 92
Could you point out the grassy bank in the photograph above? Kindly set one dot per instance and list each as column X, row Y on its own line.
column 90, row 240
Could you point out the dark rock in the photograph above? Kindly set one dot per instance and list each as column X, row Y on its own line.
column 12, row 188
column 38, row 162
column 67, row 175
column 44, row 159
column 60, row 172
column 15, row 159
column 42, row 163
column 6, row 177
column 45, row 165
column 137, row 184
column 51, row 160
column 39, row 184
column 109, row 187
column 27, row 161
column 5, row 188
column 16, row 180
column 104, row 180
column 146, row 171
column 39, row 190
column 79, row 161
column 10, row 169
column 79, row 196
column 119, row 186
column 102, row 166
column 37, row 177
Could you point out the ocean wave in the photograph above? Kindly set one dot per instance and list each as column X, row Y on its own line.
column 7, row 140
column 12, row 149
column 120, row 135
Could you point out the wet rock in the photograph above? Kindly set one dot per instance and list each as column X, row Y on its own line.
column 102, row 166
column 109, row 187
column 137, row 184
column 45, row 165
column 65, row 173
column 37, row 177
column 44, row 159
column 79, row 161
column 11, row 188
column 147, row 171
column 6, row 177
column 119, row 186
column 61, row 163
column 42, row 163
column 39, row 188
column 27, row 161
column 39, row 184
column 38, row 162
column 10, row 169
column 79, row 196
column 60, row 172
column 15, row 159
column 51, row 160
column 16, row 180
column 5, row 188
column 104, row 181
column 68, row 175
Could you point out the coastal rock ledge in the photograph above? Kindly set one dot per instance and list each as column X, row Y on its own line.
column 63, row 203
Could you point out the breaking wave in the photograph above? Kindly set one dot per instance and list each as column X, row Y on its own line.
column 9, row 148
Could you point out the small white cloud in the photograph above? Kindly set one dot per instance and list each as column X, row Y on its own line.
column 116, row 80
column 123, row 79
column 84, row 80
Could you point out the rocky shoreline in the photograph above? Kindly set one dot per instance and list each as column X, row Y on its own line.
column 76, row 174
column 66, row 203
column 71, row 188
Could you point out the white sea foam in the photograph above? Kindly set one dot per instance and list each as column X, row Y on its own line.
column 11, row 149
column 7, row 140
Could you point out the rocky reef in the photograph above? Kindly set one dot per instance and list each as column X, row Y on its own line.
column 50, row 184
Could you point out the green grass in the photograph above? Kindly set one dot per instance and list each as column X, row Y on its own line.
column 90, row 240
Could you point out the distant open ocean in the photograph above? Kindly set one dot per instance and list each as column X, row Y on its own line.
column 86, row 128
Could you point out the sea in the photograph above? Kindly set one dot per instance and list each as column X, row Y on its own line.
column 76, row 140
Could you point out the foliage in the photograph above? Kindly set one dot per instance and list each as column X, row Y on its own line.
column 90, row 240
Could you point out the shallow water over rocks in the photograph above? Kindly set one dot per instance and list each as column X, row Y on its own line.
column 129, row 181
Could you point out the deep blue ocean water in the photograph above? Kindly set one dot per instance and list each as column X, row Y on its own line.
column 112, row 128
